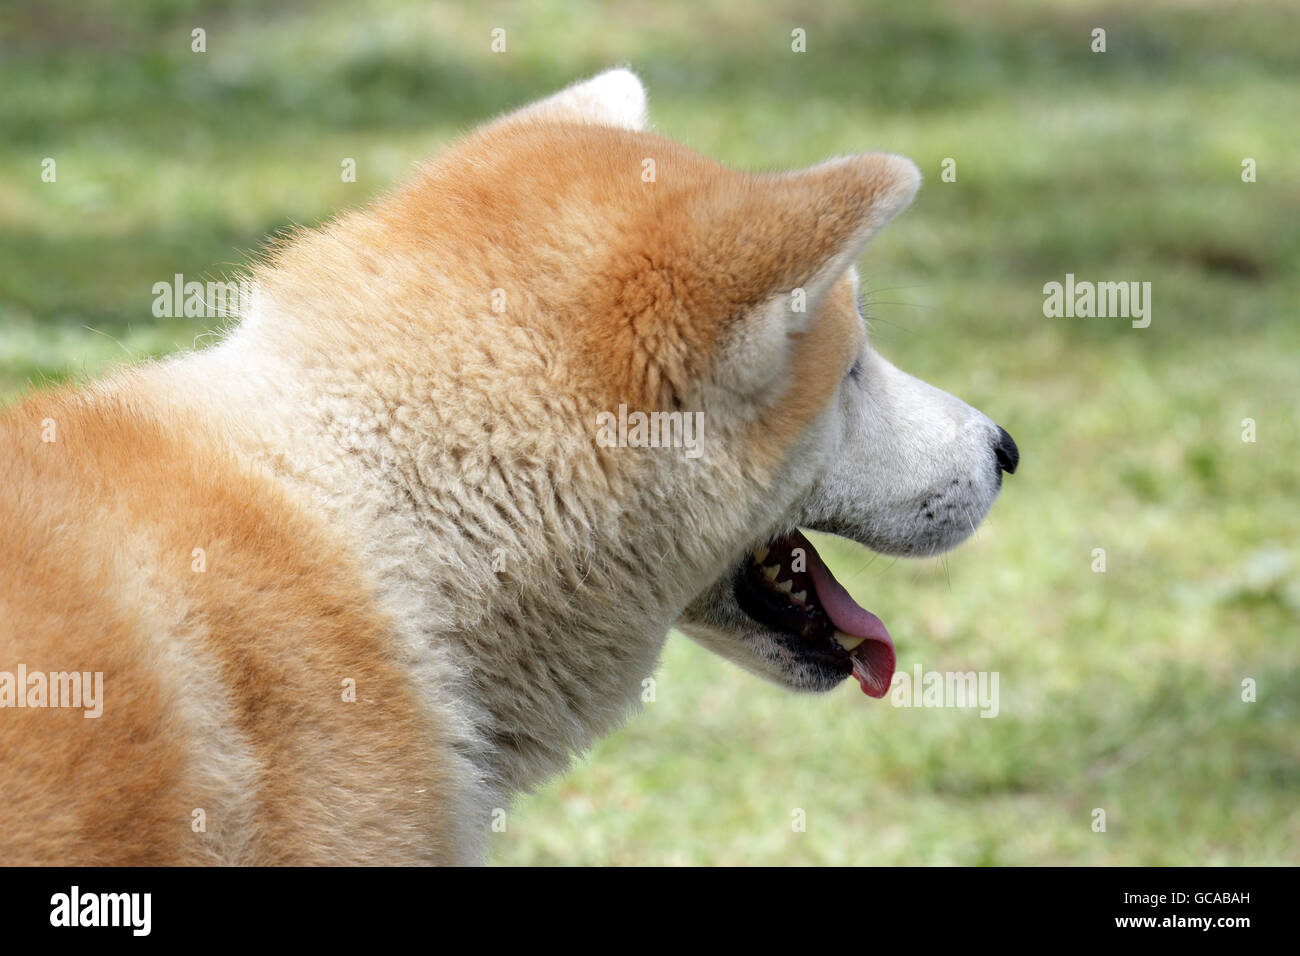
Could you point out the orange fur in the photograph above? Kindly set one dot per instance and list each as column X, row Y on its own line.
column 821, row 357
column 278, row 615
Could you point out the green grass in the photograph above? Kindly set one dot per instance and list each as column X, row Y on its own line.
column 1119, row 691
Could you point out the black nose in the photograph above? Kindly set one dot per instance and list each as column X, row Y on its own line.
column 1007, row 452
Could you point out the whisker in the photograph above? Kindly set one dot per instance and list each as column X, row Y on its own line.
column 910, row 305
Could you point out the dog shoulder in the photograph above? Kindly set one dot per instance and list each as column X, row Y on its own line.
column 240, row 697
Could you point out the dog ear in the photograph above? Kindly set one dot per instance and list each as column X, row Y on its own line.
column 781, row 242
column 613, row 98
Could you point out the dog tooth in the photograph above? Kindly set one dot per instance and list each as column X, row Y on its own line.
column 760, row 554
column 847, row 641
column 799, row 597
column 786, row 586
column 772, row 572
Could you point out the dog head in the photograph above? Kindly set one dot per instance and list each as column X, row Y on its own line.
column 652, row 289
column 745, row 298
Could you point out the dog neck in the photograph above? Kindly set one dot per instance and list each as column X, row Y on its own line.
column 526, row 609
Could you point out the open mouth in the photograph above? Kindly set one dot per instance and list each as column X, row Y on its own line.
column 787, row 588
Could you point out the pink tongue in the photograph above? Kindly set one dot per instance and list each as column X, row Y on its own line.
column 873, row 659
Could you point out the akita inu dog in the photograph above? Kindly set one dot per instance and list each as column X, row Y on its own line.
column 359, row 572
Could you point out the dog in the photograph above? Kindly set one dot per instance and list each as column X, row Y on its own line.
column 413, row 533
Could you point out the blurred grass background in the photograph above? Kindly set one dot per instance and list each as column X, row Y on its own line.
column 1119, row 690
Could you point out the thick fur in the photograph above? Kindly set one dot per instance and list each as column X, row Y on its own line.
column 395, row 484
